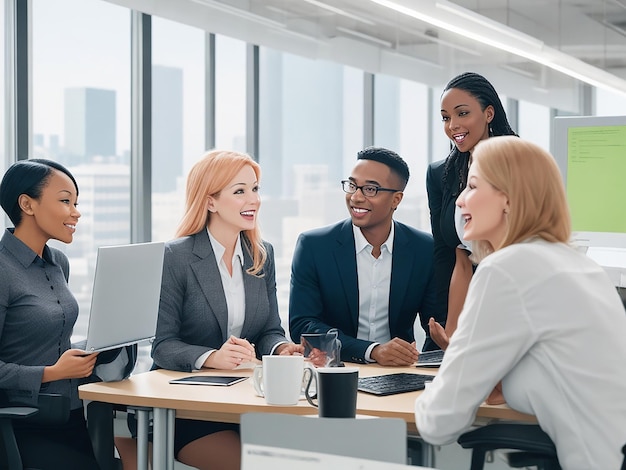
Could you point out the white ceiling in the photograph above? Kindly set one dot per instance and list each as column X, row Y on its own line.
column 377, row 39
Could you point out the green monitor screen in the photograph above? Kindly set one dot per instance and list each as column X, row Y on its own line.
column 591, row 154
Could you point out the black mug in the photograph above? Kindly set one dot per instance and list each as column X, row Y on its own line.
column 336, row 391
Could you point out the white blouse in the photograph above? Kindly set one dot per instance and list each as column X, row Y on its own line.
column 547, row 321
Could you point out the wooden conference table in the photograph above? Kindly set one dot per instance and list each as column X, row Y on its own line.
column 151, row 391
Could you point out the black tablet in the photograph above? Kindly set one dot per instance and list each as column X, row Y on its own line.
column 223, row 380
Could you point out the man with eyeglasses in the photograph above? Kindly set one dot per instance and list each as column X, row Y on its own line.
column 368, row 276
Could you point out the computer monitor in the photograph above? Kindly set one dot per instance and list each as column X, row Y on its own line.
column 591, row 154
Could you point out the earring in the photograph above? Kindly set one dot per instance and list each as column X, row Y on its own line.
column 490, row 131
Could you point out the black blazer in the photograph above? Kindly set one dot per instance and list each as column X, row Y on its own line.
column 441, row 202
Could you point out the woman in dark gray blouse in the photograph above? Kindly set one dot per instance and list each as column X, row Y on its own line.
column 38, row 312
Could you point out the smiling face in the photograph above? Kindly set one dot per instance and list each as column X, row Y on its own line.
column 236, row 207
column 483, row 208
column 52, row 216
column 373, row 214
column 464, row 122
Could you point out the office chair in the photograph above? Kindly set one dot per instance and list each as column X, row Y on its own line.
column 55, row 408
column 10, row 451
column 533, row 446
column 52, row 408
column 382, row 439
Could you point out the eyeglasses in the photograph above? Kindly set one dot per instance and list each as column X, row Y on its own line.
column 368, row 190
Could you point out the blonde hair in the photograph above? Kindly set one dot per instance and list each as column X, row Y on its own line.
column 530, row 178
column 208, row 177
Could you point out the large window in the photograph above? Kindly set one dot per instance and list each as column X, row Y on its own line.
column 308, row 142
column 401, row 124
column 178, row 127
column 81, row 118
column 230, row 94
column 610, row 104
column 534, row 123
column 3, row 110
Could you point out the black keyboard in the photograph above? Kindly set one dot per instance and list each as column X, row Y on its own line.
column 393, row 383
column 430, row 358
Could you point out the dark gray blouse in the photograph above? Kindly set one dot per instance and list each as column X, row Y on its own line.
column 37, row 314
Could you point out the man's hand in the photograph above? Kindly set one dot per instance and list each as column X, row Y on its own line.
column 289, row 349
column 396, row 352
column 438, row 334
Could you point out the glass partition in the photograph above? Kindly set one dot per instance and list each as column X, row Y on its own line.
column 81, row 118
column 401, row 124
column 230, row 94
column 308, row 142
column 178, row 98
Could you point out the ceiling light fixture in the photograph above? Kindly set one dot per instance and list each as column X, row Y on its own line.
column 245, row 14
column 443, row 42
column 276, row 26
column 488, row 23
column 523, row 73
column 339, row 11
column 469, row 24
column 367, row 37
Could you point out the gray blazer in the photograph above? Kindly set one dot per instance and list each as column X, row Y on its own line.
column 193, row 315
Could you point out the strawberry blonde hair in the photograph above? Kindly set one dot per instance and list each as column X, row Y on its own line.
column 208, row 177
column 532, row 182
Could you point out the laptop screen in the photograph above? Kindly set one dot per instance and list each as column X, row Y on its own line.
column 125, row 297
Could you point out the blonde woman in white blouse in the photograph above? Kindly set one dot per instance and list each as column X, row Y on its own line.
column 534, row 305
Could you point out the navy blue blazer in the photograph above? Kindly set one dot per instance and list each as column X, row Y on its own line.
column 324, row 286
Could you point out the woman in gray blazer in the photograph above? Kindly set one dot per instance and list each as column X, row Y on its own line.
column 218, row 305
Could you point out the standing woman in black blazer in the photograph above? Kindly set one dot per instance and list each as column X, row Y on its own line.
column 471, row 111
column 38, row 312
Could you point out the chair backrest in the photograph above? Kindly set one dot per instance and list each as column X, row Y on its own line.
column 10, row 457
column 52, row 409
column 382, row 439
column 535, row 446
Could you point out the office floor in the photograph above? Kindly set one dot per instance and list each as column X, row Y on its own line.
column 121, row 429
column 454, row 457
column 449, row 457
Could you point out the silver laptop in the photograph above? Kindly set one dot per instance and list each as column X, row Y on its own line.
column 125, row 296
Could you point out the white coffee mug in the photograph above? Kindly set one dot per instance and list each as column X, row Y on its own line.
column 279, row 379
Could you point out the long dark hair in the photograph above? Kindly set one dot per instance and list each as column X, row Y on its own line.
column 481, row 89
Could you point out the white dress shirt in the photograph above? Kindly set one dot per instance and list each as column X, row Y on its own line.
column 374, row 278
column 233, row 291
column 547, row 321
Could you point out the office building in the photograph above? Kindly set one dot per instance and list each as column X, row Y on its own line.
column 167, row 127
column 90, row 123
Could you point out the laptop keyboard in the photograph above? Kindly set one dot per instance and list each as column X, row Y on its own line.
column 392, row 384
column 430, row 358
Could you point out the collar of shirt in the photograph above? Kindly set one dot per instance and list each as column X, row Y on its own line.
column 219, row 250
column 360, row 242
column 22, row 252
